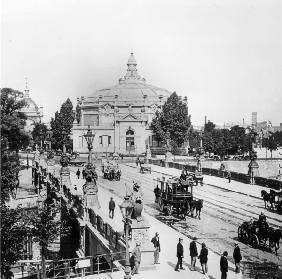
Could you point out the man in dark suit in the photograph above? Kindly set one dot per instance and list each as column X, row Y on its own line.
column 193, row 253
column 237, row 258
column 156, row 241
column 224, row 265
column 179, row 255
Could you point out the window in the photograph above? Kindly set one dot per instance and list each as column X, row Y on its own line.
column 109, row 140
column 101, row 139
column 130, row 146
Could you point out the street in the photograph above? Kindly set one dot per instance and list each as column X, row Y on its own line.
column 222, row 213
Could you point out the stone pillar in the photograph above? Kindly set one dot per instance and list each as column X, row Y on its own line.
column 64, row 173
column 148, row 154
column 253, row 171
column 90, row 188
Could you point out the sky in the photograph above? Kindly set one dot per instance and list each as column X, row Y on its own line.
column 225, row 56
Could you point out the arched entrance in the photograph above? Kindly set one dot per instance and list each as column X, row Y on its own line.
column 130, row 144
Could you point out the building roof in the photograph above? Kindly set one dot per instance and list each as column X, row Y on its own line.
column 31, row 108
column 132, row 86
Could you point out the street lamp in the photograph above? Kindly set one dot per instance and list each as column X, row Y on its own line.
column 126, row 209
column 89, row 137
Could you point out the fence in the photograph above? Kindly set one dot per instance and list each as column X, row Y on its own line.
column 71, row 268
column 240, row 177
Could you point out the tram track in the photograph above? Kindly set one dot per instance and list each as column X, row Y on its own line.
column 243, row 213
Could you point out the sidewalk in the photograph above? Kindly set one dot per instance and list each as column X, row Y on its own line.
column 168, row 240
column 235, row 186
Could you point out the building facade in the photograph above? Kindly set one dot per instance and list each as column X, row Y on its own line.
column 33, row 113
column 119, row 115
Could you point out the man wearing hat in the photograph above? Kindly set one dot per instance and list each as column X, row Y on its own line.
column 224, row 265
column 136, row 253
column 179, row 255
column 193, row 253
column 156, row 241
column 237, row 257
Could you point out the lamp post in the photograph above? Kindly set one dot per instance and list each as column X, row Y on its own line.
column 89, row 137
column 126, row 209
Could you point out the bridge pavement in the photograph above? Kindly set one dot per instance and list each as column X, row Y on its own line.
column 168, row 239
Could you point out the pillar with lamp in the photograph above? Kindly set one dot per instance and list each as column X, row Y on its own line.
column 253, row 165
column 90, row 188
column 126, row 209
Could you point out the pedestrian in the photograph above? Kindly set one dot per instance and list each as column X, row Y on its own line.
column 157, row 192
column 224, row 265
column 193, row 253
column 137, row 259
column 179, row 254
column 237, row 257
column 229, row 176
column 156, row 241
column 204, row 258
column 112, row 206
column 83, row 174
column 78, row 173
column 137, row 161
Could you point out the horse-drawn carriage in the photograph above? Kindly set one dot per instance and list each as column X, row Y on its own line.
column 111, row 170
column 273, row 199
column 258, row 234
column 175, row 196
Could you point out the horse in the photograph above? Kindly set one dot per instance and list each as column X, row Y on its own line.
column 268, row 198
column 198, row 205
column 274, row 238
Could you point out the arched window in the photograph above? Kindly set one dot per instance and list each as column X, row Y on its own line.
column 130, row 146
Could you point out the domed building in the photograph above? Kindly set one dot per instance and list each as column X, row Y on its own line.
column 32, row 111
column 119, row 115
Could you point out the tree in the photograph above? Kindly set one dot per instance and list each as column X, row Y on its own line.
column 13, row 234
column 270, row 143
column 61, row 126
column 13, row 137
column 39, row 133
column 172, row 123
column 46, row 227
column 209, row 127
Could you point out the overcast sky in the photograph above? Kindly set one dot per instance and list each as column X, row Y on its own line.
column 225, row 56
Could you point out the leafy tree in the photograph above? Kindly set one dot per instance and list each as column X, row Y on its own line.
column 61, row 126
column 270, row 143
column 13, row 137
column 12, row 235
column 46, row 227
column 209, row 127
column 39, row 133
column 172, row 123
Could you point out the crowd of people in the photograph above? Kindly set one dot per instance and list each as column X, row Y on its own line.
column 203, row 258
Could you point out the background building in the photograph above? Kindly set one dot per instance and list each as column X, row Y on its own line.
column 32, row 111
column 120, row 115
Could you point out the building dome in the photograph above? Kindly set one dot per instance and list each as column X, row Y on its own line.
column 132, row 86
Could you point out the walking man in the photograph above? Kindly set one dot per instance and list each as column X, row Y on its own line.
column 224, row 265
column 204, row 258
column 83, row 173
column 179, row 255
column 137, row 259
column 78, row 173
column 229, row 176
column 193, row 253
column 156, row 241
column 112, row 206
column 237, row 258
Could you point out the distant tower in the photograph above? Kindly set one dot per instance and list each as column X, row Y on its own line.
column 254, row 118
column 26, row 90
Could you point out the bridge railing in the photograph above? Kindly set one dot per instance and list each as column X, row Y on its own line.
column 71, row 268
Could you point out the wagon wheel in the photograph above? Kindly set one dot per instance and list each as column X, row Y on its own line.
column 255, row 241
column 169, row 210
column 161, row 205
